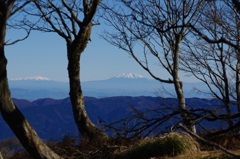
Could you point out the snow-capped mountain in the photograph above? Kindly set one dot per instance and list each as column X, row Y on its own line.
column 32, row 78
column 131, row 84
column 129, row 75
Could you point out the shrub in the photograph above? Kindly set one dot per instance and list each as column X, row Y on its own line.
column 170, row 145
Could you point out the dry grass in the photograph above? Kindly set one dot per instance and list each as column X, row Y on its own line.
column 170, row 145
column 173, row 145
column 230, row 140
column 71, row 147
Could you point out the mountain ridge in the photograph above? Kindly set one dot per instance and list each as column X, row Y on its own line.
column 129, row 75
column 121, row 85
column 32, row 78
column 53, row 118
column 124, row 75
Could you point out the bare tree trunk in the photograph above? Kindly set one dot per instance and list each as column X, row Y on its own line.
column 238, row 85
column 17, row 122
column 84, row 124
column 226, row 89
column 236, row 4
column 238, row 82
column 187, row 120
column 11, row 114
column 178, row 85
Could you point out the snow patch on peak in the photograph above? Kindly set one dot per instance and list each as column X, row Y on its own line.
column 32, row 78
column 129, row 75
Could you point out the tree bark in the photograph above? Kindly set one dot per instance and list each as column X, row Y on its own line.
column 178, row 85
column 17, row 122
column 238, row 82
column 75, row 49
column 10, row 113
column 187, row 120
column 236, row 4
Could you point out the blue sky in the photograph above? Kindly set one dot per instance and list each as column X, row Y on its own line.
column 44, row 54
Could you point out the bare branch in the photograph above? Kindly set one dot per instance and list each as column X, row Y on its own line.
column 59, row 31
column 19, row 8
column 208, row 142
column 18, row 40
column 73, row 15
column 90, row 10
column 214, row 41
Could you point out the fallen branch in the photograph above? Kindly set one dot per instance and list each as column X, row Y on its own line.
column 208, row 142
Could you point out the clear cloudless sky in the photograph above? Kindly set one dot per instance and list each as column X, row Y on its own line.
column 45, row 54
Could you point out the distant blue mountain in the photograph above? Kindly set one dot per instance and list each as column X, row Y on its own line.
column 53, row 118
column 123, row 85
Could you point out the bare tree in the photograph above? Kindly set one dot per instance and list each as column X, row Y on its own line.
column 158, row 27
column 217, row 64
column 10, row 113
column 71, row 20
column 226, row 40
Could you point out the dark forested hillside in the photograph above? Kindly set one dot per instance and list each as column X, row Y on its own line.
column 53, row 118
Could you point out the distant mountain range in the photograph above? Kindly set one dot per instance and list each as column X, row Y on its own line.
column 32, row 88
column 53, row 118
column 130, row 75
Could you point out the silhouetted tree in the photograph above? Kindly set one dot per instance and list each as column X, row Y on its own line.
column 217, row 64
column 158, row 27
column 71, row 20
column 10, row 113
